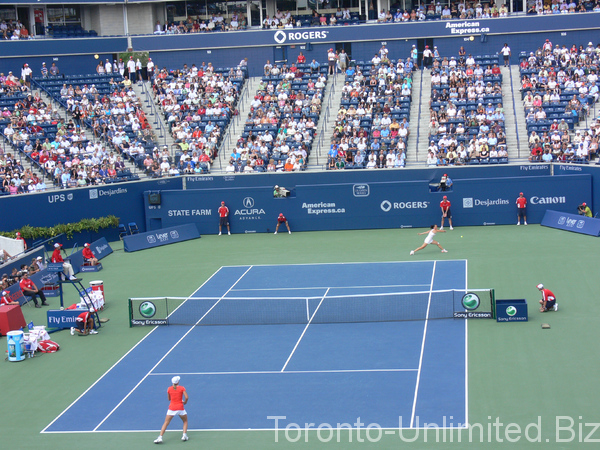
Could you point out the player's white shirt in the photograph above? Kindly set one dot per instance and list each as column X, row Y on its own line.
column 430, row 236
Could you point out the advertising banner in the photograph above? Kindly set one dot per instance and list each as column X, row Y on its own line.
column 164, row 236
column 572, row 222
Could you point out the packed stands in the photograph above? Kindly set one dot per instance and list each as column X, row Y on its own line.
column 467, row 124
column 198, row 104
column 372, row 126
column 279, row 131
column 559, row 86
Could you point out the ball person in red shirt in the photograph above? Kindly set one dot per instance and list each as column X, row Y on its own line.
column 548, row 300
column 85, row 324
column 88, row 255
column 20, row 238
column 445, row 205
column 178, row 397
column 281, row 219
column 224, row 218
column 521, row 209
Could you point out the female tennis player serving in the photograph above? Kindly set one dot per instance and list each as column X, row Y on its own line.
column 429, row 239
column 178, row 398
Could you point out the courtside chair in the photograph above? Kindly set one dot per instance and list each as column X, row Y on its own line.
column 122, row 231
column 133, row 228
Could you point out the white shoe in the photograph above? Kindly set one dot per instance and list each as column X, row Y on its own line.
column 158, row 440
column 555, row 307
column 518, row 223
column 219, row 233
column 441, row 228
column 412, row 252
column 451, row 228
column 229, row 233
column 184, row 437
column 444, row 251
column 72, row 331
column 289, row 232
column 72, row 278
column 275, row 232
column 93, row 332
column 525, row 223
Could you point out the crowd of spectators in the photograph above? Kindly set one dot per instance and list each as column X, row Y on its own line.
column 372, row 127
column 466, row 111
column 559, row 86
column 13, row 30
column 280, row 128
column 198, row 102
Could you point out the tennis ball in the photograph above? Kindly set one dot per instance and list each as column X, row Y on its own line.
column 461, row 237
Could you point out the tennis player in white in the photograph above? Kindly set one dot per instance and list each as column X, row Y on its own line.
column 429, row 239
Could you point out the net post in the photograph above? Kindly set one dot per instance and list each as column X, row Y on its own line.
column 130, row 313
column 167, row 309
column 493, row 302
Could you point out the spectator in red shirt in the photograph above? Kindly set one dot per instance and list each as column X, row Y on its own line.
column 281, row 219
column 57, row 258
column 445, row 205
column 30, row 289
column 224, row 218
column 88, row 255
column 301, row 58
column 5, row 299
column 19, row 238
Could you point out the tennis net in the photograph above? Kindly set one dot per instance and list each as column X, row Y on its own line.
column 389, row 307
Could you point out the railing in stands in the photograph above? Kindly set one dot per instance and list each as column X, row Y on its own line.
column 325, row 117
column 419, row 116
column 512, row 91
column 159, row 126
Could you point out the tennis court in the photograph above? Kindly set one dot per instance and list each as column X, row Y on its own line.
column 240, row 377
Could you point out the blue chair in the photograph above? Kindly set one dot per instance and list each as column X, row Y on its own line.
column 133, row 228
column 122, row 231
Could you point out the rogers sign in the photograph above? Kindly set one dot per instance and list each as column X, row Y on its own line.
column 282, row 36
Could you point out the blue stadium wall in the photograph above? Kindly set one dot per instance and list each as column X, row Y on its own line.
column 319, row 201
column 479, row 37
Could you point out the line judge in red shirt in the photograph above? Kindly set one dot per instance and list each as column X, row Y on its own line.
column 178, row 397
column 548, row 300
column 224, row 218
column 445, row 206
column 30, row 289
column 88, row 255
column 57, row 258
column 521, row 209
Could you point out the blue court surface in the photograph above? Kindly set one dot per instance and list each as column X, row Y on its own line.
column 395, row 374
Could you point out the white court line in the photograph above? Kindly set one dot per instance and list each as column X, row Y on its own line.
column 167, row 354
column 327, row 287
column 344, row 263
column 115, row 364
column 414, row 408
column 260, row 372
column 305, row 328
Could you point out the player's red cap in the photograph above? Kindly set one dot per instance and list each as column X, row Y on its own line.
column 445, row 197
column 280, row 214
column 520, row 193
column 222, row 203
column 584, row 204
column 445, row 174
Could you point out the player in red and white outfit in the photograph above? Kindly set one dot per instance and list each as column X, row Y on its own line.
column 85, row 324
column 88, row 255
column 178, row 397
column 548, row 300
column 445, row 205
column 224, row 218
column 521, row 209
column 57, row 258
column 281, row 219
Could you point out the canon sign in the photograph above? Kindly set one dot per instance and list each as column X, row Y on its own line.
column 547, row 200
